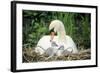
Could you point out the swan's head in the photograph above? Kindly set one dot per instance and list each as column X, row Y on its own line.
column 56, row 25
column 58, row 28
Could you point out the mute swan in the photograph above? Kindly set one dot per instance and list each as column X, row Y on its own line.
column 62, row 42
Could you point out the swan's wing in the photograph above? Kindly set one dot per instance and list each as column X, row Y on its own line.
column 43, row 44
column 71, row 44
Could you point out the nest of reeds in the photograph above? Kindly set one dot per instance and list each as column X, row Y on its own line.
column 29, row 55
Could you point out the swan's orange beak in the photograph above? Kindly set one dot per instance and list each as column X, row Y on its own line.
column 52, row 35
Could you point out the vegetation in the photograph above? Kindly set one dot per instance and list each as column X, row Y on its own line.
column 36, row 24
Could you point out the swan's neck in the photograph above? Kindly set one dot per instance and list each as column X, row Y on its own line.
column 61, row 36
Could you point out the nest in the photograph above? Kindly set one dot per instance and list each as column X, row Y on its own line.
column 29, row 56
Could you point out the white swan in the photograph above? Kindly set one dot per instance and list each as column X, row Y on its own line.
column 61, row 40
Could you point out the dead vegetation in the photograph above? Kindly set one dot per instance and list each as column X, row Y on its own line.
column 30, row 56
